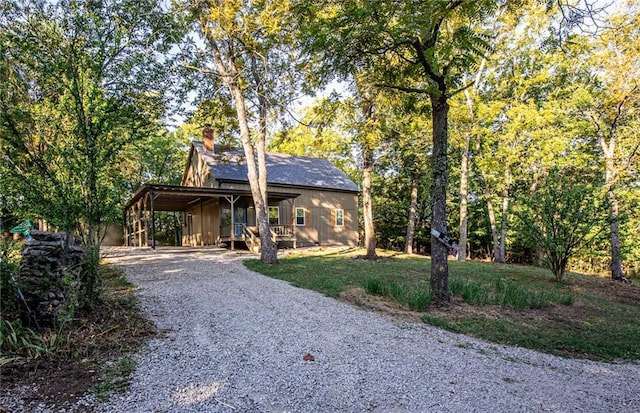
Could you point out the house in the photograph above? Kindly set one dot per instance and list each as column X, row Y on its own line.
column 311, row 202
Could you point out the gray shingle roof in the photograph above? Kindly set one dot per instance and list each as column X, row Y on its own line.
column 230, row 165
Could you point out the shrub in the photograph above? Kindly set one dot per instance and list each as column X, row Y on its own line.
column 9, row 262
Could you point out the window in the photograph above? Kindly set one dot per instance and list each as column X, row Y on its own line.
column 301, row 217
column 339, row 217
column 274, row 216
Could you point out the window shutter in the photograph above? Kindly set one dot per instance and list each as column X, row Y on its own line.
column 307, row 216
column 344, row 219
column 333, row 218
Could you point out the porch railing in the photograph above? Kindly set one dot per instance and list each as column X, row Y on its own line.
column 282, row 231
column 277, row 231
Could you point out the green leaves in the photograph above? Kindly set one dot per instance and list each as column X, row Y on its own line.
column 565, row 214
column 84, row 80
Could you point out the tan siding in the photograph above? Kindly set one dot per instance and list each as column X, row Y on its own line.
column 320, row 205
column 320, row 226
column 206, row 224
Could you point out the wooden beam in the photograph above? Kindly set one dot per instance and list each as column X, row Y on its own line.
column 153, row 223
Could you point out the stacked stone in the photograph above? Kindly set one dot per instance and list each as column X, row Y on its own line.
column 49, row 276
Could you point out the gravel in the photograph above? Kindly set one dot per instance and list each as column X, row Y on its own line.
column 235, row 342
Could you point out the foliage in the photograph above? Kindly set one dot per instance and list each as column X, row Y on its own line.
column 564, row 215
column 218, row 112
column 325, row 131
column 585, row 317
column 9, row 262
column 101, row 341
column 83, row 81
column 73, row 102
column 17, row 341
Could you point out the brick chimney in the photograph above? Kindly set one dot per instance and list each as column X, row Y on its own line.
column 207, row 137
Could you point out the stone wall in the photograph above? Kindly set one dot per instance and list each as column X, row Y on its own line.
column 49, row 276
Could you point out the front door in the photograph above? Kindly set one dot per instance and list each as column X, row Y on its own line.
column 239, row 217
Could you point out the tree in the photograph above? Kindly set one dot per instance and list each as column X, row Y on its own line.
column 81, row 81
column 610, row 103
column 565, row 214
column 517, row 118
column 252, row 54
column 424, row 49
column 403, row 161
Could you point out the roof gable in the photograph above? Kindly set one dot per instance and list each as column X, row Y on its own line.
column 287, row 170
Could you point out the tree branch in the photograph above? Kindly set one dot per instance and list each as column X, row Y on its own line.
column 401, row 88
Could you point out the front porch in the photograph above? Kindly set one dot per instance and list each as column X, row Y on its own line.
column 250, row 235
column 210, row 216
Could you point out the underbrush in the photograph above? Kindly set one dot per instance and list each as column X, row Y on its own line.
column 99, row 340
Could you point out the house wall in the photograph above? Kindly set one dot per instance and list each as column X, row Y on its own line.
column 206, row 224
column 198, row 173
column 320, row 206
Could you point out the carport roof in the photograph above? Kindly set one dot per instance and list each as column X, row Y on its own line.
column 181, row 198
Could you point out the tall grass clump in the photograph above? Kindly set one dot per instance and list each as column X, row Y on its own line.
column 470, row 291
column 506, row 294
column 414, row 297
column 373, row 286
column 19, row 342
column 510, row 294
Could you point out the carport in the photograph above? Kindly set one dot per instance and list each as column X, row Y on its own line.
column 139, row 213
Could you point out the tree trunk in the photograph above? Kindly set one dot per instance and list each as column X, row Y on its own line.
column 614, row 226
column 268, row 247
column 411, row 222
column 464, row 196
column 505, row 217
column 367, row 205
column 257, row 181
column 492, row 222
column 439, row 251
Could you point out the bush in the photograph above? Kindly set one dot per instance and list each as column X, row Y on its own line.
column 9, row 262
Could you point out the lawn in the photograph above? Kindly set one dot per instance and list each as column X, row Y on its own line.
column 583, row 317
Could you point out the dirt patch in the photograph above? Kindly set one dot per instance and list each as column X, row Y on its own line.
column 58, row 385
column 617, row 291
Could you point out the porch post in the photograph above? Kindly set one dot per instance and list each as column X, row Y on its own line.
column 153, row 221
column 293, row 223
column 233, row 224
column 232, row 236
column 201, row 224
column 145, row 205
column 139, row 214
column 125, row 231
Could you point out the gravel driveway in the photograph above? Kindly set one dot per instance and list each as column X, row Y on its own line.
column 235, row 342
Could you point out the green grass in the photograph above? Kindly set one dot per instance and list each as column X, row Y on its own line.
column 508, row 304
